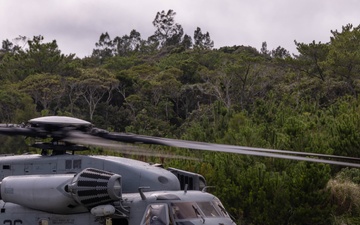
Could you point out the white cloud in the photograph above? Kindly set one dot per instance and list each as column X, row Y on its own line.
column 77, row 24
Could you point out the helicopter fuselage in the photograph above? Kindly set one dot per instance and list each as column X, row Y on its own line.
column 134, row 173
column 38, row 189
column 65, row 189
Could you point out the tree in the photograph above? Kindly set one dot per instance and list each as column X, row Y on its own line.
column 104, row 48
column 38, row 58
column 234, row 81
column 344, row 56
column 45, row 57
column 15, row 106
column 165, row 88
column 72, row 91
column 264, row 49
column 280, row 52
column 127, row 43
column 311, row 59
column 168, row 33
column 218, row 84
column 345, row 138
column 187, row 42
column 9, row 47
column 202, row 41
column 94, row 85
column 45, row 89
column 308, row 196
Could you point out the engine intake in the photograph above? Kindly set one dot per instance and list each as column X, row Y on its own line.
column 62, row 193
column 92, row 187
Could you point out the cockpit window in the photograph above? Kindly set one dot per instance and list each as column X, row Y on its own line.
column 192, row 210
column 220, row 208
column 156, row 214
column 208, row 209
column 184, row 210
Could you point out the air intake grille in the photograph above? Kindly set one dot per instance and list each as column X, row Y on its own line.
column 193, row 181
column 92, row 187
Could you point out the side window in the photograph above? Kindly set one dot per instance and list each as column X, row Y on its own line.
column 77, row 164
column 6, row 167
column 68, row 164
column 156, row 214
column 73, row 164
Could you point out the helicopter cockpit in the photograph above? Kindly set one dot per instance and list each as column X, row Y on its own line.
column 181, row 208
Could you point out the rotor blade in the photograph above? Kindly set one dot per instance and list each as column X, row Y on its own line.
column 86, row 139
column 152, row 153
column 12, row 130
column 275, row 151
column 131, row 138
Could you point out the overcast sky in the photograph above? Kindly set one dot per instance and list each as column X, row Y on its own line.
column 76, row 25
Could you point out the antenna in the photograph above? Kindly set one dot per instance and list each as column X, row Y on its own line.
column 143, row 197
column 186, row 188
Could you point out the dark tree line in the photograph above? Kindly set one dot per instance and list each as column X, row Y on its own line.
column 168, row 36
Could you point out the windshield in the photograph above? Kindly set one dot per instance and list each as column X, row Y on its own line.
column 208, row 209
column 220, row 208
column 184, row 210
column 192, row 210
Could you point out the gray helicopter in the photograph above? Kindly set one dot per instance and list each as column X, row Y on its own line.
column 65, row 188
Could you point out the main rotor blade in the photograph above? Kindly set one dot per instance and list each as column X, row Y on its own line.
column 86, row 139
column 13, row 130
column 300, row 156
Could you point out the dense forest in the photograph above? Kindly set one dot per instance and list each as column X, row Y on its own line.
column 176, row 85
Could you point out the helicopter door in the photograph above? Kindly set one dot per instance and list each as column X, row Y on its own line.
column 5, row 171
column 156, row 214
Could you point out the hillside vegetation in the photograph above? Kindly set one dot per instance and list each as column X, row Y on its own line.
column 176, row 85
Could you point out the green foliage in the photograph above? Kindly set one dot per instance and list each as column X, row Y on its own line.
column 39, row 57
column 345, row 127
column 166, row 86
column 119, row 63
column 15, row 107
column 344, row 56
column 311, row 59
column 13, row 145
column 94, row 85
column 45, row 89
column 309, row 199
column 128, row 44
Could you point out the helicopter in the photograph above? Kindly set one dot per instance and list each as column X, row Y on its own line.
column 60, row 187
